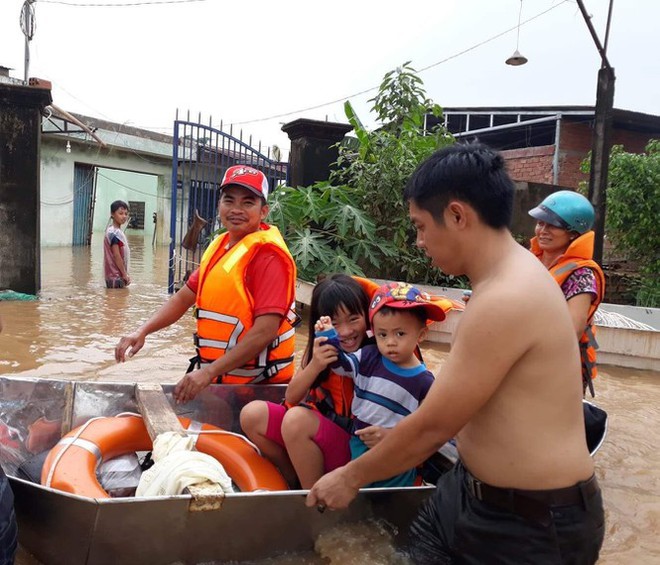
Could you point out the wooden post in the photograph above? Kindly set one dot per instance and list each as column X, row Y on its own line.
column 159, row 417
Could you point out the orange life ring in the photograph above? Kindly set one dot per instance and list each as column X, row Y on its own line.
column 105, row 438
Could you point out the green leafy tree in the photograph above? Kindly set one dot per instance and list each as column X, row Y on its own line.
column 633, row 213
column 379, row 166
column 357, row 222
column 325, row 231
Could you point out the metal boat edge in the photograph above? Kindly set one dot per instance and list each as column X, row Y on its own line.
column 61, row 528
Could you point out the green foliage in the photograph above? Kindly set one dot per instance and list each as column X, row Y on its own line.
column 380, row 166
column 324, row 230
column 357, row 222
column 633, row 212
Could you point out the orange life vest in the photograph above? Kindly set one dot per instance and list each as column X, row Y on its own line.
column 580, row 254
column 333, row 398
column 225, row 308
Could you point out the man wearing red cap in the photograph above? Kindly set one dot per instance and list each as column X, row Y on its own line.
column 244, row 291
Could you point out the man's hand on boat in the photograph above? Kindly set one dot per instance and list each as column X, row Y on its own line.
column 131, row 343
column 192, row 384
column 333, row 491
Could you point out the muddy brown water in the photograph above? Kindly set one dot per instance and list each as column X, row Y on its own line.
column 71, row 331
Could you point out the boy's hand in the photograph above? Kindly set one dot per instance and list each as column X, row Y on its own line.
column 372, row 435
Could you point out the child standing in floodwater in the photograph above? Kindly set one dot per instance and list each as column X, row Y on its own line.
column 116, row 253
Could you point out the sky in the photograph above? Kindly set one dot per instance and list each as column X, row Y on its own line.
column 258, row 64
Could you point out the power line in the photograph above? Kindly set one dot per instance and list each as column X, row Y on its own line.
column 123, row 5
column 420, row 70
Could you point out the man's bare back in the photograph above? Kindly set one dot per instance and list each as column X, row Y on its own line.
column 536, row 412
column 509, row 390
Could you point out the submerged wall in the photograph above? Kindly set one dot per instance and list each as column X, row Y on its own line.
column 20, row 132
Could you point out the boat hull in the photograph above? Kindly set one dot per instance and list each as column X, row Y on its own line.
column 62, row 528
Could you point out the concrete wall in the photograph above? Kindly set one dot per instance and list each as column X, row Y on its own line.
column 20, row 124
column 526, row 196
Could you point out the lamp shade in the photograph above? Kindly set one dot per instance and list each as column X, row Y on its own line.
column 516, row 59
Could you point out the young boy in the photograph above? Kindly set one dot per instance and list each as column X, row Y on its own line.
column 390, row 380
column 116, row 254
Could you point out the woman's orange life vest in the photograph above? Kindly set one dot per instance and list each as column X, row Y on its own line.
column 580, row 254
column 225, row 308
column 71, row 465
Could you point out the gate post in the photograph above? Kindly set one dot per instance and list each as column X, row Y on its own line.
column 20, row 142
column 311, row 149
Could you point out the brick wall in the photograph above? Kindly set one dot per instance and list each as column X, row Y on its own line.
column 534, row 164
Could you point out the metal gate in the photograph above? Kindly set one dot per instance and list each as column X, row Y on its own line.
column 83, row 203
column 200, row 156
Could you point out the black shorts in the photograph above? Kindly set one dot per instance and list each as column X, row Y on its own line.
column 465, row 523
column 115, row 283
column 8, row 529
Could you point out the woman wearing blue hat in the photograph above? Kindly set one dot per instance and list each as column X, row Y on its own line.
column 564, row 243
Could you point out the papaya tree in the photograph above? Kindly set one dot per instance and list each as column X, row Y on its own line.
column 357, row 222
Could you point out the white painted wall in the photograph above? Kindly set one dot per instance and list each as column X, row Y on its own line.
column 152, row 184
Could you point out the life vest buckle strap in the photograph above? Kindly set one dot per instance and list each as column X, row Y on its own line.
column 293, row 317
column 282, row 338
column 195, row 363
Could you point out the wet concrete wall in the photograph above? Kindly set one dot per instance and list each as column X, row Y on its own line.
column 20, row 131
column 313, row 149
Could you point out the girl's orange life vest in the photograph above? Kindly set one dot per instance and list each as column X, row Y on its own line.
column 225, row 308
column 580, row 254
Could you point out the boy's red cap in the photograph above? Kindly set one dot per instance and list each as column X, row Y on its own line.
column 404, row 295
column 248, row 177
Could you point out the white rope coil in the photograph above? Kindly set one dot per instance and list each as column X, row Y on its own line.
column 616, row 320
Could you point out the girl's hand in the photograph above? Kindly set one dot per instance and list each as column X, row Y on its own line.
column 323, row 354
column 323, row 323
column 371, row 435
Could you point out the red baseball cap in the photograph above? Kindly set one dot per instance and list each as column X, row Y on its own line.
column 248, row 177
column 404, row 295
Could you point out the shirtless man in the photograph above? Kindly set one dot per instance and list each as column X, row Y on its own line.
column 524, row 490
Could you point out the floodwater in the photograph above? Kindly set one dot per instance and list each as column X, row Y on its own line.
column 71, row 331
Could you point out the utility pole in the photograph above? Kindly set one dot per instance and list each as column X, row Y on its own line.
column 28, row 25
column 601, row 144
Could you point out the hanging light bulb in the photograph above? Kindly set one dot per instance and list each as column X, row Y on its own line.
column 68, row 146
column 517, row 58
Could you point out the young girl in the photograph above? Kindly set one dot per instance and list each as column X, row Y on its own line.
column 308, row 436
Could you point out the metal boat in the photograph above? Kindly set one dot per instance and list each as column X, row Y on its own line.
column 62, row 528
